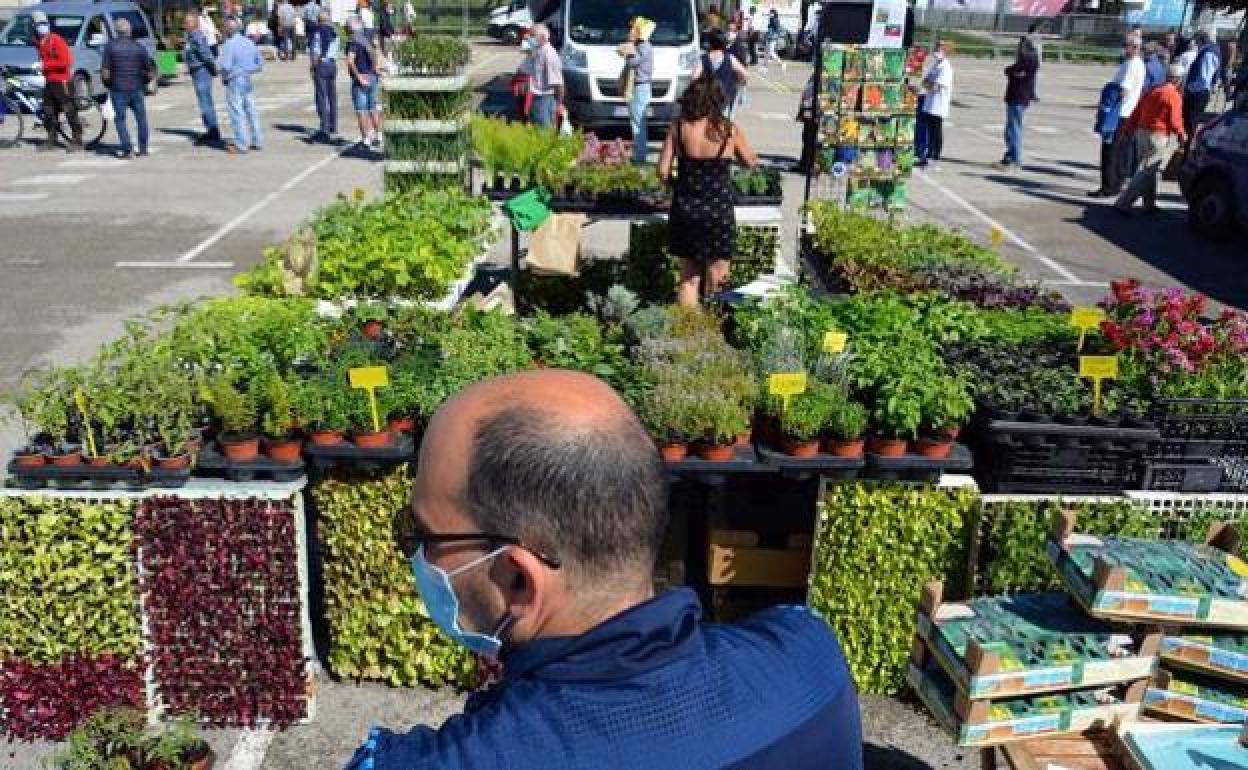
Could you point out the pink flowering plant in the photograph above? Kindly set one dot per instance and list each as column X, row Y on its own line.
column 1168, row 347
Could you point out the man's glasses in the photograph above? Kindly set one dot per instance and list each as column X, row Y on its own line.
column 423, row 541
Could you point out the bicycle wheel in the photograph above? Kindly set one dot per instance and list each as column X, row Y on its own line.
column 93, row 121
column 12, row 125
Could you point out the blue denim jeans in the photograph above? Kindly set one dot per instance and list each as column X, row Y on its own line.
column 323, row 78
column 203, row 95
column 637, row 121
column 542, row 113
column 243, row 116
column 1014, row 133
column 129, row 100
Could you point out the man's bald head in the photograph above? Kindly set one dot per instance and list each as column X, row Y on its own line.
column 556, row 459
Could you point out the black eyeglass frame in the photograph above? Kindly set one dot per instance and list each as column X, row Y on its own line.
column 421, row 541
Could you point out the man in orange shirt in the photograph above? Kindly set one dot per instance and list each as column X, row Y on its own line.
column 1157, row 125
column 57, row 62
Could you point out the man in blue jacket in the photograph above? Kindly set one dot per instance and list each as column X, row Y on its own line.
column 536, row 517
column 201, row 64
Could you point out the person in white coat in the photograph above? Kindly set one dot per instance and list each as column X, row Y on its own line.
column 937, row 87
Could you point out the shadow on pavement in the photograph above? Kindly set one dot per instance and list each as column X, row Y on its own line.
column 890, row 758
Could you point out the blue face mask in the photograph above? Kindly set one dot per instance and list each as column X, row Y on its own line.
column 443, row 606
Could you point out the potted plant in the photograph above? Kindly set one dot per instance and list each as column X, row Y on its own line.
column 663, row 413
column 360, row 420
column 897, row 413
column 846, row 426
column 945, row 404
column 277, row 421
column 176, row 435
column 371, row 317
column 319, row 406
column 179, row 746
column 400, row 401
column 721, row 419
column 804, row 419
column 23, row 402
column 235, row 410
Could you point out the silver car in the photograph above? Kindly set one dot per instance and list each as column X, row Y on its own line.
column 86, row 28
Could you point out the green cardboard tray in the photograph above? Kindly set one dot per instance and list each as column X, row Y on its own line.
column 1196, row 698
column 1222, row 656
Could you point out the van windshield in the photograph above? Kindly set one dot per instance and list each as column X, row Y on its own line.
column 21, row 31
column 599, row 22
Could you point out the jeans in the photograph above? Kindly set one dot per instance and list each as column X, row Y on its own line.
column 1014, row 133
column 242, row 101
column 637, row 120
column 323, row 78
column 288, row 43
column 364, row 98
column 542, row 111
column 133, row 100
column 1194, row 105
column 1154, row 151
column 203, row 95
column 934, row 131
column 57, row 99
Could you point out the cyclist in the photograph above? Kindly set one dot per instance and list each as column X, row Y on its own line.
column 57, row 62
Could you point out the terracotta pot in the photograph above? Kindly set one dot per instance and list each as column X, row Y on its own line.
column 887, row 447
column 66, row 460
column 372, row 329
column 849, row 450
column 241, row 448
column 175, row 463
column 674, row 453
column 100, row 461
column 932, row 449
column 744, row 439
column 372, row 440
column 325, row 437
column 28, row 460
column 401, row 425
column 714, row 452
column 795, row 448
column 285, row 450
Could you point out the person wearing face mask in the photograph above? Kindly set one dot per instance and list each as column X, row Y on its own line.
column 57, row 62
column 1118, row 160
column 938, row 90
column 536, row 517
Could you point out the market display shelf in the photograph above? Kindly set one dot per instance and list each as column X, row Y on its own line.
column 396, row 126
column 1196, row 699
column 321, row 456
column 1024, row 432
column 423, row 166
column 213, row 463
column 1223, row 656
column 915, row 467
column 989, row 723
column 744, row 461
column 1153, row 581
column 89, row 477
column 425, row 83
column 1028, row 644
column 826, row 465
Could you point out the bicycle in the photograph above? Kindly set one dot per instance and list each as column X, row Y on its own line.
column 17, row 101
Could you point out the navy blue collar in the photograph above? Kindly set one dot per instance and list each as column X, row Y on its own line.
column 640, row 639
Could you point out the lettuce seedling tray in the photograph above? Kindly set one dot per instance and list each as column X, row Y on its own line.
column 1196, row 698
column 1153, row 581
column 1029, row 644
column 988, row 723
column 1223, row 656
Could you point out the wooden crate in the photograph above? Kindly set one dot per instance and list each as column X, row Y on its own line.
column 734, row 558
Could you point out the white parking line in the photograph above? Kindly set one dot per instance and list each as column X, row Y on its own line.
column 93, row 163
column 994, row 127
column 248, row 753
column 12, row 197
column 141, row 265
column 774, row 116
column 1065, row 274
column 1045, row 130
column 161, row 107
column 62, row 180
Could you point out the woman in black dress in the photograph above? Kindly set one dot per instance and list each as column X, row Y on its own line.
column 702, row 226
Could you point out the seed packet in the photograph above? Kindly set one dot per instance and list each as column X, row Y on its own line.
column 883, row 64
column 855, row 65
column 833, row 61
column 905, row 130
column 848, row 131
column 882, row 97
column 851, row 96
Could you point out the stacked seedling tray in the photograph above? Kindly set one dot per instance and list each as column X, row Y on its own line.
column 999, row 670
column 427, row 102
column 1203, row 446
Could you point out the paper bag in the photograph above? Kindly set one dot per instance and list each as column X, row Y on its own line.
column 554, row 247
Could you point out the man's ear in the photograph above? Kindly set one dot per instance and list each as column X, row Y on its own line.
column 526, row 584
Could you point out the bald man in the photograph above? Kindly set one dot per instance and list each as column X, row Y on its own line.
column 536, row 518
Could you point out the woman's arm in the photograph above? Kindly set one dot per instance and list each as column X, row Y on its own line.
column 745, row 153
column 667, row 155
column 739, row 69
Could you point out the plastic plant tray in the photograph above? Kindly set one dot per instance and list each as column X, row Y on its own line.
column 86, row 476
column 915, row 467
column 988, row 723
column 1166, row 581
column 1029, row 644
column 402, row 449
column 1194, row 698
column 1219, row 655
column 745, row 460
column 826, row 465
column 213, row 463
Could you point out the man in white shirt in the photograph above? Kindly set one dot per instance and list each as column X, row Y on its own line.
column 209, row 28
column 938, row 96
column 1119, row 162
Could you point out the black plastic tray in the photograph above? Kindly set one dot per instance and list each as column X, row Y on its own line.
column 348, row 454
column 84, row 476
column 915, row 467
column 213, row 463
column 1019, row 431
column 1182, row 477
column 826, row 465
column 745, row 461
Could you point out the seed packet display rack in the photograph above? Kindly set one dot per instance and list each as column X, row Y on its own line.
column 866, row 117
column 443, row 142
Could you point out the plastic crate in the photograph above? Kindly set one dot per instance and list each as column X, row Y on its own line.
column 1200, row 419
column 1036, row 457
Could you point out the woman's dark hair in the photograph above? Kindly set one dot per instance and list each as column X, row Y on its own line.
column 705, row 98
column 716, row 40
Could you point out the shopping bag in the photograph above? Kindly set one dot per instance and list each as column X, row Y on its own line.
column 1171, row 172
column 528, row 210
column 555, row 245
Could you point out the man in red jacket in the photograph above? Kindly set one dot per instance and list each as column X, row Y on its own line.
column 57, row 98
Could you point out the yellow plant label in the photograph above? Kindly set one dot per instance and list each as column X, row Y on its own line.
column 369, row 377
column 787, row 384
column 80, row 400
column 998, row 237
column 1086, row 318
column 834, row 342
column 1098, row 367
column 1237, row 565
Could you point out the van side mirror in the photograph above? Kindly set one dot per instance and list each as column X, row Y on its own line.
column 96, row 40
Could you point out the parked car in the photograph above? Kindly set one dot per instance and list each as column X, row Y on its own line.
column 509, row 23
column 86, row 27
column 1214, row 174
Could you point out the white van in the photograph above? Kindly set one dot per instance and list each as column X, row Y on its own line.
column 587, row 34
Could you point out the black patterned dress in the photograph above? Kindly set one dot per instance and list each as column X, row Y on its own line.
column 702, row 223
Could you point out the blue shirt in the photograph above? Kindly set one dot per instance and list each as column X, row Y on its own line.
column 198, row 54
column 239, row 59
column 1154, row 73
column 654, row 687
column 1204, row 71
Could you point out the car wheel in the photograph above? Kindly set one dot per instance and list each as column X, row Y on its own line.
column 1211, row 208
column 511, row 36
